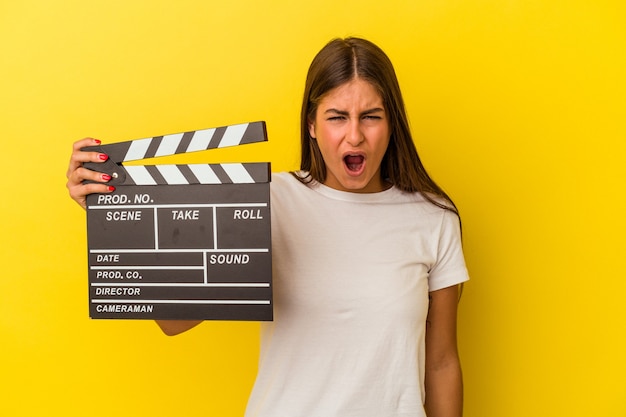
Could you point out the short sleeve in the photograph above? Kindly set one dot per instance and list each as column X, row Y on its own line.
column 449, row 268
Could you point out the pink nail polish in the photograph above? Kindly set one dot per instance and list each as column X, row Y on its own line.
column 106, row 177
column 103, row 157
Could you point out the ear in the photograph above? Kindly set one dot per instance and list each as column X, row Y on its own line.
column 311, row 128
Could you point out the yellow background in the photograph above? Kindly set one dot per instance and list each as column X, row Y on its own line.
column 518, row 109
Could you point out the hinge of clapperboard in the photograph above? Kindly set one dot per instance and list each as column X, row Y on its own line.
column 192, row 141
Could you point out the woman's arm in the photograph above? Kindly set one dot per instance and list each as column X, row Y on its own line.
column 174, row 327
column 444, row 381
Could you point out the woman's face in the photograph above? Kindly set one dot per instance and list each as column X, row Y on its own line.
column 352, row 131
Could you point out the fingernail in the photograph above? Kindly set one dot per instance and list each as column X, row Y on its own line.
column 103, row 157
column 106, row 177
column 97, row 141
column 111, row 188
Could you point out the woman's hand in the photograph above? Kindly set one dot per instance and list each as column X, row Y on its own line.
column 76, row 173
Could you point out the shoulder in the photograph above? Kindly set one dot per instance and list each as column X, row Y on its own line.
column 287, row 180
column 425, row 203
column 430, row 215
column 289, row 186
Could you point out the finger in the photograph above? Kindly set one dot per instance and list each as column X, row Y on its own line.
column 78, row 189
column 85, row 142
column 79, row 192
column 82, row 174
column 79, row 156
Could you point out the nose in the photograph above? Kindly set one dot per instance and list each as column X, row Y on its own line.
column 354, row 135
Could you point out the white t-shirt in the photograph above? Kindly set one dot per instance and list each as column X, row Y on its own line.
column 351, row 276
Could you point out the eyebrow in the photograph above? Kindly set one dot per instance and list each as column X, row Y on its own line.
column 346, row 113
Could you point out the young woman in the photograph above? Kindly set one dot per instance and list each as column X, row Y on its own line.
column 367, row 257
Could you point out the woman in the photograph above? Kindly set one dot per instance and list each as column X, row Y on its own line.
column 367, row 257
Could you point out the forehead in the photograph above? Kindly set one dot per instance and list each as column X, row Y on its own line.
column 354, row 93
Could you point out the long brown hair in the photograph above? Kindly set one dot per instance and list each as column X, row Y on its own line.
column 339, row 62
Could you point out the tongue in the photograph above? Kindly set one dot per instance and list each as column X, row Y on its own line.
column 353, row 162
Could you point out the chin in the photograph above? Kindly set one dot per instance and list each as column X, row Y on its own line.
column 355, row 183
column 356, row 186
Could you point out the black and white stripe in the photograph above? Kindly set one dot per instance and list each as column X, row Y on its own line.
column 193, row 141
column 233, row 173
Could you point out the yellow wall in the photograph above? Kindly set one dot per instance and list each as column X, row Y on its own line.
column 519, row 111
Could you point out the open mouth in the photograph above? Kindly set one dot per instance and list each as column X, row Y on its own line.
column 354, row 163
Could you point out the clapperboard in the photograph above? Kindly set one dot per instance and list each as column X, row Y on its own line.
column 181, row 241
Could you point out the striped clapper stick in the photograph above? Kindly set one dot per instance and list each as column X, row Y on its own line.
column 181, row 241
